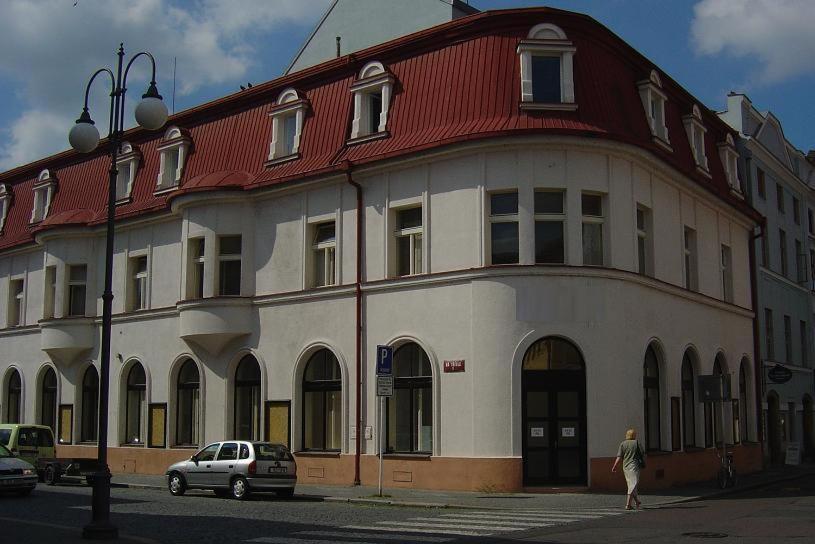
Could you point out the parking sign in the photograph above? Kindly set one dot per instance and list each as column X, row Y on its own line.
column 384, row 360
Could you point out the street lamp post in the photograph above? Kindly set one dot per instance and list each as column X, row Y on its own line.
column 151, row 113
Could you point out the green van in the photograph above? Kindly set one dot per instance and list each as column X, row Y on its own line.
column 29, row 442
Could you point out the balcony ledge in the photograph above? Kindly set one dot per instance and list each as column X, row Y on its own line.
column 212, row 323
column 66, row 338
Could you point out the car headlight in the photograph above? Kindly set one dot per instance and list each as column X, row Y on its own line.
column 28, row 472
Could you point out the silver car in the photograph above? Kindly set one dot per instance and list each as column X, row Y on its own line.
column 235, row 468
column 15, row 474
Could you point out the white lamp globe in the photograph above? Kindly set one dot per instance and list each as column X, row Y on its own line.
column 151, row 113
column 83, row 137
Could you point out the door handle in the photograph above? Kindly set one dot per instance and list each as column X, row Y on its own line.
column 231, row 466
column 209, row 466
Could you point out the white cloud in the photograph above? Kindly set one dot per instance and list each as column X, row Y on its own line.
column 777, row 33
column 49, row 48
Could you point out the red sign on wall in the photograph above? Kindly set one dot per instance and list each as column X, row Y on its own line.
column 454, row 366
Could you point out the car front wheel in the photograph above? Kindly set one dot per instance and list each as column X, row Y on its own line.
column 176, row 484
column 239, row 488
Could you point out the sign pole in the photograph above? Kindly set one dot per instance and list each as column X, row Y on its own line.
column 384, row 388
column 381, row 425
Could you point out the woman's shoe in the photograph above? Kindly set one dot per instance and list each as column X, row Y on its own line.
column 629, row 507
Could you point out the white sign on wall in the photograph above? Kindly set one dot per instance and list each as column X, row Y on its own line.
column 567, row 432
column 536, row 432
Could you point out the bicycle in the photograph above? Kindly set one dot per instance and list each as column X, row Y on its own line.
column 727, row 473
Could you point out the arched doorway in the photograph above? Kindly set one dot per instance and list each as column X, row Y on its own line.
column 247, row 401
column 554, row 413
column 48, row 399
column 774, row 428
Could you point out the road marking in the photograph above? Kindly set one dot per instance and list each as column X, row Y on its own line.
column 441, row 523
column 546, row 513
column 514, row 517
column 482, row 521
column 412, row 530
column 374, row 534
column 288, row 540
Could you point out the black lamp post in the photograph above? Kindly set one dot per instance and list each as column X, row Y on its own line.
column 151, row 113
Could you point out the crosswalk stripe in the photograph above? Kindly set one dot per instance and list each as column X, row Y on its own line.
column 416, row 530
column 374, row 534
column 494, row 522
column 287, row 540
column 543, row 514
column 578, row 512
column 548, row 517
column 442, row 524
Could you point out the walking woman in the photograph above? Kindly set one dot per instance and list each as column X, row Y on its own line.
column 633, row 459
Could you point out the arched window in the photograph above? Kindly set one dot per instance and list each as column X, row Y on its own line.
column 712, row 411
column 688, row 402
column 247, row 399
column 740, row 406
column 322, row 402
column 134, row 404
column 410, row 409
column 48, row 399
column 90, row 405
column 650, row 385
column 188, row 399
column 14, row 396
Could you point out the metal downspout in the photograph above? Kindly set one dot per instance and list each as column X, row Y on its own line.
column 758, row 373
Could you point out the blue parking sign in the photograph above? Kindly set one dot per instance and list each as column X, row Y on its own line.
column 384, row 360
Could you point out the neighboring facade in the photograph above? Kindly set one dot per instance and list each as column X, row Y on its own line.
column 541, row 243
column 778, row 184
column 363, row 23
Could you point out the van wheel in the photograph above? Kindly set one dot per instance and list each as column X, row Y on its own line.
column 239, row 488
column 51, row 477
column 176, row 484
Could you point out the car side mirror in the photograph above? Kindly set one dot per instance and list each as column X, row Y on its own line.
column 194, row 459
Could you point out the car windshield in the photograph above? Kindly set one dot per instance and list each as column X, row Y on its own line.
column 5, row 436
column 4, row 453
column 271, row 452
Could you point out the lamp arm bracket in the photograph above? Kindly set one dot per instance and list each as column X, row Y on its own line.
column 112, row 84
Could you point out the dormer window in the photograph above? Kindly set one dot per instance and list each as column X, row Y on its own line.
column 653, row 101
column 372, row 95
column 174, row 149
column 729, row 157
column 5, row 203
column 127, row 163
column 43, row 194
column 547, row 80
column 287, row 126
column 696, row 137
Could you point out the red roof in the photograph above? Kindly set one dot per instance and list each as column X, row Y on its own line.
column 455, row 82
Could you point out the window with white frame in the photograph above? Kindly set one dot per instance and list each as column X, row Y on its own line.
column 696, row 137
column 504, row 228
column 690, row 259
column 50, row 294
column 323, row 251
column 174, row 148
column 229, row 265
column 77, row 275
column 137, row 294
column 550, row 224
column 16, row 303
column 547, row 80
column 408, row 235
column 782, row 244
column 372, row 95
column 730, row 157
column 653, row 101
column 593, row 253
column 43, row 195
column 195, row 268
column 127, row 164
column 5, row 203
column 645, row 242
column 727, row 274
column 288, row 116
column 800, row 267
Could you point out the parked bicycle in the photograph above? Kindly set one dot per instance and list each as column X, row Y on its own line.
column 727, row 473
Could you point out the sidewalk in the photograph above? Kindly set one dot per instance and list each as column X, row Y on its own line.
column 506, row 501
column 24, row 532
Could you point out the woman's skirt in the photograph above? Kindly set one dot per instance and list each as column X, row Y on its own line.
column 632, row 478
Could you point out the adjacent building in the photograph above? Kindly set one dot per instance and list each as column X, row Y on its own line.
column 547, row 228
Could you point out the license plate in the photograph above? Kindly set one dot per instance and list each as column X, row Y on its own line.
column 278, row 470
column 12, row 482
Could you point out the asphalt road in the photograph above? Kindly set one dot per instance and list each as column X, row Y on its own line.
column 778, row 514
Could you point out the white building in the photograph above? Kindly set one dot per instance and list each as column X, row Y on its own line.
column 518, row 190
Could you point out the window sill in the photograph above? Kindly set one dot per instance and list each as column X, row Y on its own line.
column 317, row 453
column 662, row 143
column 128, row 445
column 704, row 171
column 738, row 194
column 184, row 447
column 88, row 443
column 693, row 449
column 396, row 455
column 125, row 200
column 368, row 138
column 165, row 190
column 540, row 106
column 280, row 160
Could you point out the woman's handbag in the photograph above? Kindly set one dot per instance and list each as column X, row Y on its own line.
column 639, row 458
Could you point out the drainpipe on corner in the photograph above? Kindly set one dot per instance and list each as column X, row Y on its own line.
column 346, row 167
column 758, row 371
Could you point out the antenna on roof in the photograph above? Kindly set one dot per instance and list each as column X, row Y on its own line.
column 174, row 64
column 339, row 39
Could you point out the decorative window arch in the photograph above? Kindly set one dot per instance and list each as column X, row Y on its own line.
column 13, row 401
column 547, row 79
column 696, row 138
column 48, row 399
column 288, row 116
column 688, row 400
column 322, row 402
column 89, row 419
column 188, row 404
column 653, row 101
column 135, row 393
column 246, row 396
column 729, row 156
column 127, row 164
column 372, row 96
column 44, row 189
column 651, row 397
column 409, row 413
column 174, row 149
column 5, row 204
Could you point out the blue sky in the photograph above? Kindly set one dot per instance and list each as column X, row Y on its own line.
column 48, row 48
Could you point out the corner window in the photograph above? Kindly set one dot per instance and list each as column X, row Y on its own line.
column 188, row 399
column 727, row 274
column 135, row 392
column 288, row 116
column 690, row 258
column 16, row 303
column 546, row 57
column 50, row 294
column 174, row 149
column 5, row 203
column 127, row 164
column 323, row 251
column 651, row 393
column 247, row 401
column 372, row 94
column 645, row 248
column 782, row 244
column 137, row 295
column 229, row 266
column 729, row 157
column 48, row 400
column 77, row 290
column 14, row 397
column 90, row 405
column 696, row 137
column 504, row 228
column 43, row 194
column 408, row 235
column 800, row 266
column 688, row 402
column 779, row 197
column 550, row 222
column 653, row 102
column 593, row 253
column 195, row 268
column 322, row 403
column 409, row 412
